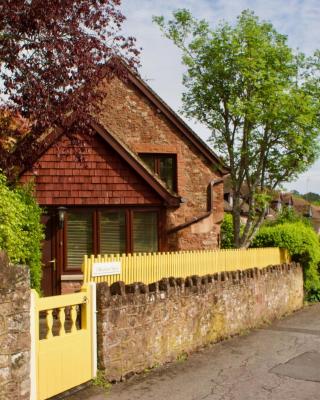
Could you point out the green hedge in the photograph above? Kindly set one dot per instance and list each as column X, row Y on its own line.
column 227, row 241
column 303, row 245
column 20, row 229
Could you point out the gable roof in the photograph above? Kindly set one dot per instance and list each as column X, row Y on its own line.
column 170, row 198
column 137, row 164
column 174, row 118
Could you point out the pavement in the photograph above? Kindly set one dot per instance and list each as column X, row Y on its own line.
column 279, row 361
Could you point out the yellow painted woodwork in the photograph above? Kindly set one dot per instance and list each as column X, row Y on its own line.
column 63, row 360
column 152, row 267
column 62, row 318
column 49, row 324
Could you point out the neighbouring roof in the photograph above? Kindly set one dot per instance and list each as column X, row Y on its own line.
column 300, row 205
column 315, row 212
column 228, row 188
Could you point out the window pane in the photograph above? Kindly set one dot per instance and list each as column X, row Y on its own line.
column 112, row 232
column 145, row 232
column 149, row 159
column 167, row 171
column 79, row 238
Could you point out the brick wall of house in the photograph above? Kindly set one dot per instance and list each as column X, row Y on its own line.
column 15, row 341
column 143, row 326
column 101, row 178
column 137, row 122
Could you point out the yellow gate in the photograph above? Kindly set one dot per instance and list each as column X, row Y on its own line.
column 64, row 342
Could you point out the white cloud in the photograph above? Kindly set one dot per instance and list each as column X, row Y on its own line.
column 307, row 182
column 161, row 60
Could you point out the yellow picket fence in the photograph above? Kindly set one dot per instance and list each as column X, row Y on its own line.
column 148, row 268
column 63, row 342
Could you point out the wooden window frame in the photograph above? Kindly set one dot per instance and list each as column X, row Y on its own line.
column 159, row 232
column 96, row 211
column 157, row 157
column 65, row 269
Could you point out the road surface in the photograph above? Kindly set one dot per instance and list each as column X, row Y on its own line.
column 277, row 362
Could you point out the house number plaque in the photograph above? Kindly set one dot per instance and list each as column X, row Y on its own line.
column 106, row 268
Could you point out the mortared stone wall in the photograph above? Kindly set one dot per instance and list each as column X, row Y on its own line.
column 142, row 326
column 15, row 341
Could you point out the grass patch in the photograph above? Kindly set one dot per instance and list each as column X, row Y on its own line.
column 182, row 357
column 101, row 382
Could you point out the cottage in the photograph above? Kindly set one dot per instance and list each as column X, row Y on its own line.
column 146, row 183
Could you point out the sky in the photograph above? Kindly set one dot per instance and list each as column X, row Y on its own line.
column 161, row 64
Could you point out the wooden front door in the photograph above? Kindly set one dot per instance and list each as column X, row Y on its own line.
column 49, row 263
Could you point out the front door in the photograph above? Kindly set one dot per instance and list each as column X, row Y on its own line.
column 49, row 264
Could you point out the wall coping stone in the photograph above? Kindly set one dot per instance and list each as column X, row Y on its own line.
column 190, row 284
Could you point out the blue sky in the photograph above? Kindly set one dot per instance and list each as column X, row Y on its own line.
column 161, row 60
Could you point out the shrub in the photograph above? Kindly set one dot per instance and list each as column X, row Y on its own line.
column 227, row 232
column 21, row 231
column 303, row 245
column 227, row 238
column 288, row 215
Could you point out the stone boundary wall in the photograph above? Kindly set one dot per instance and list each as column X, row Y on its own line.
column 141, row 326
column 15, row 342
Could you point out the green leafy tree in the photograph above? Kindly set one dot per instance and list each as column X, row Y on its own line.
column 258, row 98
column 312, row 197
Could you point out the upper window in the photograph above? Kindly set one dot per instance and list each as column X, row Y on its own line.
column 165, row 165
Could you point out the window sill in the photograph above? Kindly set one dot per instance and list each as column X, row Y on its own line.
column 78, row 277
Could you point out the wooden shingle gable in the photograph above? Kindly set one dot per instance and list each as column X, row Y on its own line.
column 83, row 187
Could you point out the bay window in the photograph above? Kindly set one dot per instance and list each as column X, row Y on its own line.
column 145, row 232
column 108, row 231
column 79, row 238
column 112, row 232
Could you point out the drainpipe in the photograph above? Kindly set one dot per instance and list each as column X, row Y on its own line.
column 199, row 218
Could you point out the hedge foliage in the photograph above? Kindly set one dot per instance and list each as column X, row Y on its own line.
column 303, row 245
column 227, row 232
column 20, row 229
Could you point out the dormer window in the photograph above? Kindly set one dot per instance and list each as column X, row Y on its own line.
column 164, row 165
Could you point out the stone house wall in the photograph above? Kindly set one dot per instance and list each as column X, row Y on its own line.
column 142, row 127
column 15, row 342
column 143, row 326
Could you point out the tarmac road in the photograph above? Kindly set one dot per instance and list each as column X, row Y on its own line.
column 280, row 361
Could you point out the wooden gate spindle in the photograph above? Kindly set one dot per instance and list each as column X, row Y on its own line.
column 49, row 323
column 73, row 316
column 62, row 318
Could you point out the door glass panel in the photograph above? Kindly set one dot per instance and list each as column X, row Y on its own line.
column 145, row 232
column 79, row 238
column 112, row 232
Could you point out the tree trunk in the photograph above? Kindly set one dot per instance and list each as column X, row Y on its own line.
column 247, row 242
column 236, row 214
